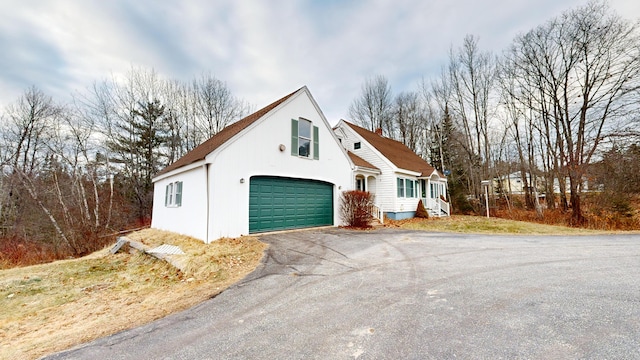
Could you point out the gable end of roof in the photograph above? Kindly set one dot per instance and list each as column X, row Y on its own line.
column 201, row 151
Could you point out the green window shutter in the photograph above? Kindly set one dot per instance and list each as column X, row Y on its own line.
column 316, row 144
column 166, row 196
column 294, row 137
column 179, row 193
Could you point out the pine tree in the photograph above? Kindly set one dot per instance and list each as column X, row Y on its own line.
column 447, row 156
column 139, row 147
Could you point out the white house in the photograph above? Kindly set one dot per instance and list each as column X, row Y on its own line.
column 396, row 175
column 279, row 168
column 512, row 183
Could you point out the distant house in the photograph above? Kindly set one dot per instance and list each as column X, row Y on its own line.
column 279, row 168
column 584, row 186
column 396, row 175
column 513, row 184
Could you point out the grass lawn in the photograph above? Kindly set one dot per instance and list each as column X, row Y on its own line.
column 484, row 225
column 51, row 307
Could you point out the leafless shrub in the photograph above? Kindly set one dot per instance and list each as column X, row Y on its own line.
column 355, row 208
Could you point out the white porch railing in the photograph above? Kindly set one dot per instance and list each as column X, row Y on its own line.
column 377, row 213
column 437, row 207
column 444, row 207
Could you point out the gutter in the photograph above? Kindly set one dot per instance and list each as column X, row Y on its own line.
column 208, row 200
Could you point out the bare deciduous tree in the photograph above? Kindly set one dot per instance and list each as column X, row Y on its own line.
column 582, row 73
column 25, row 131
column 471, row 79
column 372, row 109
column 215, row 106
column 409, row 120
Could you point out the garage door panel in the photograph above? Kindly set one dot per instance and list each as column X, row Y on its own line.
column 284, row 203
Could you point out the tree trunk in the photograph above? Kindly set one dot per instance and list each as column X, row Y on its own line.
column 577, row 218
column 34, row 195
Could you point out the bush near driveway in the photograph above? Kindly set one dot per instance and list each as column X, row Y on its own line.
column 355, row 208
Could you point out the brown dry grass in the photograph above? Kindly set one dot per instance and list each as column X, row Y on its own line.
column 601, row 212
column 51, row 307
column 483, row 225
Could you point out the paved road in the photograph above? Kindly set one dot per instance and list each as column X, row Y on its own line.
column 392, row 294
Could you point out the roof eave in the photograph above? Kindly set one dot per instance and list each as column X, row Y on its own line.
column 368, row 170
column 375, row 150
column 408, row 172
column 179, row 170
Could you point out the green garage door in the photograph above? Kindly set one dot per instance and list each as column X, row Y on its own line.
column 277, row 203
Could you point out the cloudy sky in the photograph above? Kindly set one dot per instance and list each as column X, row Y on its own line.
column 262, row 49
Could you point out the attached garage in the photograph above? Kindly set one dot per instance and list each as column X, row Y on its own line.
column 281, row 167
column 279, row 203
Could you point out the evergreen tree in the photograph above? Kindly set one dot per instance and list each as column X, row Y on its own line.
column 139, row 147
column 447, row 156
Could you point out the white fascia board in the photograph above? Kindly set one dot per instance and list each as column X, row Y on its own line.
column 434, row 172
column 304, row 90
column 214, row 154
column 337, row 138
column 367, row 170
column 407, row 172
column 345, row 127
column 326, row 123
column 179, row 170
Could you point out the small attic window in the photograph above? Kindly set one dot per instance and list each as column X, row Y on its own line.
column 356, row 145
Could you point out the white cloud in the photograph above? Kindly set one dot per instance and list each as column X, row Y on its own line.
column 263, row 50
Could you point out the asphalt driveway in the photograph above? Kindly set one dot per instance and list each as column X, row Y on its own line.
column 396, row 294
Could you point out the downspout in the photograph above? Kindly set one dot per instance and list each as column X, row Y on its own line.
column 206, row 178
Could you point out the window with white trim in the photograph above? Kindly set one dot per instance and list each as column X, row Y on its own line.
column 173, row 194
column 407, row 188
column 304, row 139
column 400, row 183
column 437, row 190
column 410, row 188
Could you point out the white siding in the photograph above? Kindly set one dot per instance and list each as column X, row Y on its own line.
column 405, row 203
column 253, row 152
column 256, row 153
column 386, row 191
column 190, row 218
